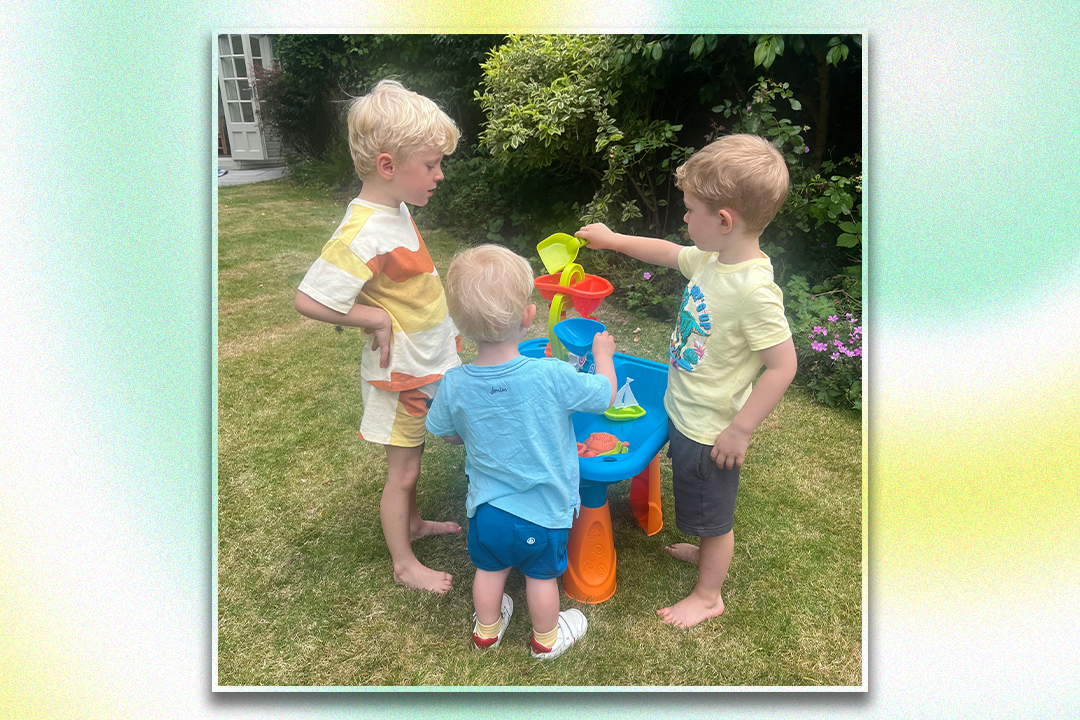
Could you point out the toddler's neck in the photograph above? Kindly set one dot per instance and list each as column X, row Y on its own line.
column 496, row 353
column 740, row 250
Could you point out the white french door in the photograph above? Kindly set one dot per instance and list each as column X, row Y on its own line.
column 237, row 54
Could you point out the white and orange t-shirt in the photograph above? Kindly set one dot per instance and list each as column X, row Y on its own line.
column 377, row 258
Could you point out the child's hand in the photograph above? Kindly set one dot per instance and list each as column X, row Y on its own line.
column 730, row 448
column 383, row 333
column 603, row 346
column 599, row 236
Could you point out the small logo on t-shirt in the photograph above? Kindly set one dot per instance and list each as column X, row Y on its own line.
column 497, row 390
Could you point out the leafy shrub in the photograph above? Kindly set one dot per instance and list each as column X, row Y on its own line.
column 819, row 228
column 578, row 104
column 828, row 341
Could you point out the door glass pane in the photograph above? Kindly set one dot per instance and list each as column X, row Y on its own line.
column 234, row 112
column 241, row 68
column 256, row 46
column 256, row 62
column 245, row 90
column 249, row 116
column 223, row 45
column 226, row 68
column 237, row 45
column 230, row 90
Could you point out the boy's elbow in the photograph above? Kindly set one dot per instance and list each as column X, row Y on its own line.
column 302, row 303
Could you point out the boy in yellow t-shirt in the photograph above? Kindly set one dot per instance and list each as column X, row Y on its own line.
column 375, row 273
column 730, row 323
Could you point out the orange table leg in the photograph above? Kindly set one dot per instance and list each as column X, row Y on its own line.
column 645, row 498
column 590, row 550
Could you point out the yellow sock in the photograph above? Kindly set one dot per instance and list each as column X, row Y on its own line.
column 547, row 639
column 489, row 631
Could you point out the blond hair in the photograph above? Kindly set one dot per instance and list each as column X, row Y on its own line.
column 487, row 290
column 742, row 172
column 391, row 119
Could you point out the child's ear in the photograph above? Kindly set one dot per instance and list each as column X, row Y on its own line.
column 727, row 220
column 384, row 165
column 529, row 316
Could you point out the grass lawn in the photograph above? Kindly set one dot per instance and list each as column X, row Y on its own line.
column 305, row 594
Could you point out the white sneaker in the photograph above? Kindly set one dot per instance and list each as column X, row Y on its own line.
column 572, row 626
column 505, row 611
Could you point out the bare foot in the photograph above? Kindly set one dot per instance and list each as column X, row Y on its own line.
column 420, row 577
column 432, row 527
column 683, row 551
column 691, row 610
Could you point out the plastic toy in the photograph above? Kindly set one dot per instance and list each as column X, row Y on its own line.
column 555, row 348
column 626, row 405
column 576, row 334
column 603, row 458
column 601, row 443
column 558, row 250
column 587, row 292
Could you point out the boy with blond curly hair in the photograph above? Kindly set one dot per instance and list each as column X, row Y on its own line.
column 731, row 322
column 512, row 413
column 375, row 273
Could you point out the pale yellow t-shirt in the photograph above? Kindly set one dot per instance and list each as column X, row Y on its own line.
column 728, row 314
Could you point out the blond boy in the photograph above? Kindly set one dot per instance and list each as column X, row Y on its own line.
column 512, row 413
column 730, row 323
column 375, row 273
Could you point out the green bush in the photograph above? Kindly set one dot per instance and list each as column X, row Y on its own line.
column 828, row 340
column 818, row 230
column 581, row 104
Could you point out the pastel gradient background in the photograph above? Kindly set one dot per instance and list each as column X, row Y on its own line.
column 972, row 446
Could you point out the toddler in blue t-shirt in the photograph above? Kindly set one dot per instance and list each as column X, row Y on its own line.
column 512, row 413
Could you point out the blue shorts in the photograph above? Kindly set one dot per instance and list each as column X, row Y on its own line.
column 498, row 540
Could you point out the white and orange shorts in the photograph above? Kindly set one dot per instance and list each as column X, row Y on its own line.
column 396, row 418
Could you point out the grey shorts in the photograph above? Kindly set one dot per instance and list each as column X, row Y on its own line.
column 704, row 493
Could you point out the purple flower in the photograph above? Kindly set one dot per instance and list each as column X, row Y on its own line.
column 747, row 108
column 647, row 276
column 832, row 318
column 819, row 329
column 820, row 347
column 834, row 356
column 806, row 149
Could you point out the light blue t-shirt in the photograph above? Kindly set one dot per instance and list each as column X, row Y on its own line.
column 514, row 418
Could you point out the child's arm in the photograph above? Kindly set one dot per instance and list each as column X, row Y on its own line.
column 603, row 351
column 780, row 364
column 372, row 318
column 649, row 250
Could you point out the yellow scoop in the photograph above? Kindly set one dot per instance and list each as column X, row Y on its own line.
column 558, row 250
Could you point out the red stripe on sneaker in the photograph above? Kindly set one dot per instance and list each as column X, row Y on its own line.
column 483, row 643
column 537, row 647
